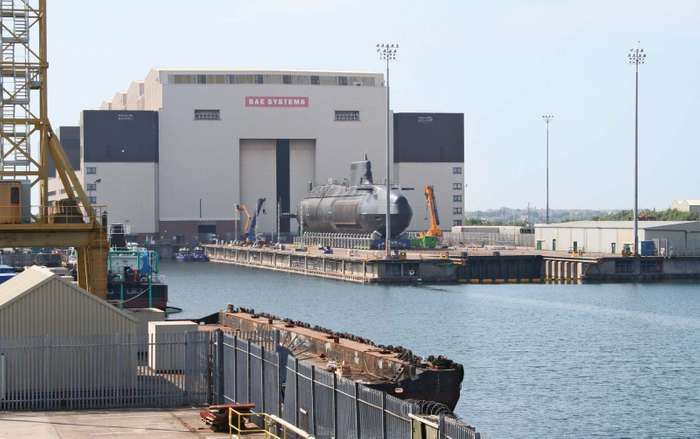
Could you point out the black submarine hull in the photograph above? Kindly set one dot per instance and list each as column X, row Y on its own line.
column 356, row 209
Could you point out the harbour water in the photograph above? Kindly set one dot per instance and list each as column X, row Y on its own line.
column 616, row 360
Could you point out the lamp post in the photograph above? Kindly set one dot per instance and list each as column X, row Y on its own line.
column 387, row 53
column 547, row 118
column 636, row 57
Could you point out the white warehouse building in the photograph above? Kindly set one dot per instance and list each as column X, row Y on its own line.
column 610, row 237
column 228, row 137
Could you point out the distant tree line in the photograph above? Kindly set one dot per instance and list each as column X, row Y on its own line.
column 649, row 215
column 521, row 217
column 507, row 216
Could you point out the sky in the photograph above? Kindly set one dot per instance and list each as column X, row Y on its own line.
column 503, row 63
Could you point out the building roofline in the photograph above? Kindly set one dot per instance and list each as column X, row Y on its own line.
column 611, row 224
column 263, row 71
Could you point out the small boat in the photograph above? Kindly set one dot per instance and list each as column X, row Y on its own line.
column 184, row 254
column 198, row 255
column 133, row 279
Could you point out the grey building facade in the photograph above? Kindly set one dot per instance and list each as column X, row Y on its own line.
column 429, row 150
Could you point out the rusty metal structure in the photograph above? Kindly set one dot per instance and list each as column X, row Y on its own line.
column 27, row 143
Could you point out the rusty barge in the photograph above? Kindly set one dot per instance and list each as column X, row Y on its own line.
column 392, row 369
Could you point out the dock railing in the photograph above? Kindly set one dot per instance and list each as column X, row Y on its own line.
column 481, row 239
column 274, row 427
column 240, row 422
column 356, row 241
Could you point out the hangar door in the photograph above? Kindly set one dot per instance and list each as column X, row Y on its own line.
column 276, row 169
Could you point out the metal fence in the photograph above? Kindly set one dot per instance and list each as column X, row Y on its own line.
column 50, row 373
column 313, row 399
column 356, row 241
column 492, row 239
column 676, row 248
column 197, row 368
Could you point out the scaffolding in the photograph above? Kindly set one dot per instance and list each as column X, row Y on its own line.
column 27, row 141
column 22, row 75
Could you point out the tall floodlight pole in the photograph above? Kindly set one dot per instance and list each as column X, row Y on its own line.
column 636, row 57
column 387, row 53
column 547, row 118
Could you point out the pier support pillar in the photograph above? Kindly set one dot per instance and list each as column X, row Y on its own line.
column 559, row 270
column 579, row 271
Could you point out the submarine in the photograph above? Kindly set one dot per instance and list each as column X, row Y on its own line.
column 358, row 207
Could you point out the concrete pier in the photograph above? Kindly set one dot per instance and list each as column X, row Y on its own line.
column 347, row 265
column 367, row 266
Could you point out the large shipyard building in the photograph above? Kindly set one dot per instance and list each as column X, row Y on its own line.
column 429, row 149
column 228, row 137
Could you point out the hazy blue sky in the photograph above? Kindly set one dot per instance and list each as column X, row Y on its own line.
column 503, row 63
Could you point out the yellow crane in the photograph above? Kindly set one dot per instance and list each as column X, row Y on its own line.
column 430, row 237
column 24, row 125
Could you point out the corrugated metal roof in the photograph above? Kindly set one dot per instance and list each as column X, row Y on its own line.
column 33, row 277
column 23, row 282
column 613, row 224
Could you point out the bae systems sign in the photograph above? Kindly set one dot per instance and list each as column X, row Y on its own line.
column 277, row 101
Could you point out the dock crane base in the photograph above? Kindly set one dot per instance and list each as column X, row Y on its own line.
column 89, row 240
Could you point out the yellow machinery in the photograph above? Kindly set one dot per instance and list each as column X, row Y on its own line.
column 242, row 208
column 27, row 141
column 272, row 427
column 430, row 237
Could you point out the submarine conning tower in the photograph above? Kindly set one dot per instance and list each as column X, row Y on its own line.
column 361, row 173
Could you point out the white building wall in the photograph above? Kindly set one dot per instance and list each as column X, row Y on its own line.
column 441, row 176
column 686, row 205
column 592, row 239
column 587, row 239
column 198, row 156
column 152, row 92
column 134, row 96
column 128, row 193
column 119, row 101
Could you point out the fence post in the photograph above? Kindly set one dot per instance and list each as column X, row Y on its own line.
column 357, row 410
column 335, row 405
column 296, row 392
column 262, row 377
column 279, row 387
column 235, row 368
column 383, row 415
column 313, row 400
column 220, row 365
column 185, row 394
column 247, row 370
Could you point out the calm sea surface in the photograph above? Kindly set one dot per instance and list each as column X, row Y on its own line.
column 546, row 361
